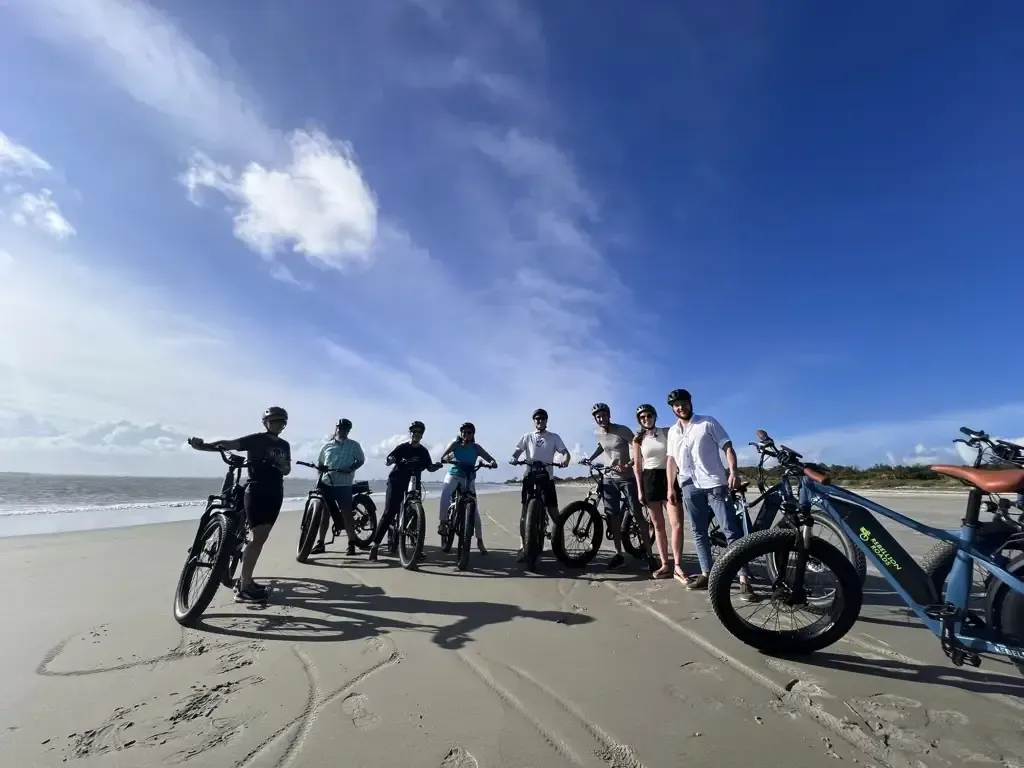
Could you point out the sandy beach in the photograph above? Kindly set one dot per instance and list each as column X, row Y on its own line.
column 364, row 664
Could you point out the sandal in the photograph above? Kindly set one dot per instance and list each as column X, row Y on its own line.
column 663, row 573
column 680, row 575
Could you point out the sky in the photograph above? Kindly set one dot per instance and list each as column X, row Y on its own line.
column 807, row 214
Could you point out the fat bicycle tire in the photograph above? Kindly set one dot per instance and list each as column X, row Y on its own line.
column 631, row 529
column 312, row 518
column 596, row 524
column 364, row 518
column 187, row 615
column 778, row 543
column 533, row 542
column 466, row 517
column 411, row 535
column 937, row 562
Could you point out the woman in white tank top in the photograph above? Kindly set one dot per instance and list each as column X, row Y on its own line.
column 650, row 452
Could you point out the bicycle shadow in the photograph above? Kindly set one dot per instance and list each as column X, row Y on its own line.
column 344, row 612
column 928, row 674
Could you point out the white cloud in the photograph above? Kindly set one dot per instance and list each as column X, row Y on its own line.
column 317, row 204
column 19, row 160
column 41, row 210
column 144, row 52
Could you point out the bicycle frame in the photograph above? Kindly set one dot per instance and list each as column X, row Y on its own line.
column 856, row 515
column 598, row 491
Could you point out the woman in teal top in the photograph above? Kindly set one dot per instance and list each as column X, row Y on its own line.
column 462, row 450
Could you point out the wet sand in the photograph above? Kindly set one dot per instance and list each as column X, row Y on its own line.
column 364, row 664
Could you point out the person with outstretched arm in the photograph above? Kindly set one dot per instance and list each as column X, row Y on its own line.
column 270, row 459
column 408, row 459
column 539, row 445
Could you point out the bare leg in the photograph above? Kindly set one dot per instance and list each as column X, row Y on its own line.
column 657, row 510
column 675, row 516
column 252, row 553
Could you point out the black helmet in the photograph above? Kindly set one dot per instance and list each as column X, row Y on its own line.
column 417, row 426
column 540, row 412
column 677, row 395
column 275, row 412
column 646, row 408
column 598, row 407
column 344, row 424
column 467, row 426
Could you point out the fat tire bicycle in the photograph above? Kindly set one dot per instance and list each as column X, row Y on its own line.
column 407, row 531
column 364, row 513
column 591, row 523
column 964, row 633
column 221, row 536
column 533, row 523
column 462, row 514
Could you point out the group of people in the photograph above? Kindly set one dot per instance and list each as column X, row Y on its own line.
column 667, row 469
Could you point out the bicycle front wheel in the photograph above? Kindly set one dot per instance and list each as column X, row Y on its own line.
column 203, row 570
column 466, row 516
column 312, row 516
column 411, row 533
column 579, row 531
column 776, row 602
column 534, row 534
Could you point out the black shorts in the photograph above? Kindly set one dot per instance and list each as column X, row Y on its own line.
column 263, row 504
column 550, row 493
column 655, row 485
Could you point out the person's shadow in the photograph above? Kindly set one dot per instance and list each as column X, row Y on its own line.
column 353, row 611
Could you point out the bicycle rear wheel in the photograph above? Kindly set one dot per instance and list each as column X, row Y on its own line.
column 364, row 515
column 411, row 534
column 312, row 516
column 208, row 560
column 631, row 541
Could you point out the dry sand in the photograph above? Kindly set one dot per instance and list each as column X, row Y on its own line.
column 364, row 664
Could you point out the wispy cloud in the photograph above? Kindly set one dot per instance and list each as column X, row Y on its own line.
column 26, row 207
column 41, row 210
column 19, row 160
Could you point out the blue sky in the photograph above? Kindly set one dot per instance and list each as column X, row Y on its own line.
column 442, row 210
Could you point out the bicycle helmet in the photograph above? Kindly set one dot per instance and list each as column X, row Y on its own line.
column 275, row 412
column 646, row 408
column 677, row 395
column 598, row 407
column 467, row 426
column 344, row 424
column 417, row 426
column 541, row 413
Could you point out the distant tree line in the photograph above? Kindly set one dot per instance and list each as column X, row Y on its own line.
column 878, row 476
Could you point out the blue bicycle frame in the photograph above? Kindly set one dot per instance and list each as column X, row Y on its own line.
column 854, row 514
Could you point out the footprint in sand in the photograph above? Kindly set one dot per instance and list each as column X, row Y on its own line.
column 355, row 706
column 459, row 758
column 948, row 717
column 696, row 667
column 803, row 683
column 886, row 706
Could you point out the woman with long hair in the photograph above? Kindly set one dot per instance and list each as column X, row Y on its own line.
column 463, row 450
column 650, row 456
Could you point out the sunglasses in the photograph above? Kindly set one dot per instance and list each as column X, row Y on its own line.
column 416, row 432
column 277, row 421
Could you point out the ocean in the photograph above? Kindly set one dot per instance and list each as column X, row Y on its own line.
column 34, row 504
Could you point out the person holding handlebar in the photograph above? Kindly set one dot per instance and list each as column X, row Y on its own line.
column 344, row 456
column 408, row 459
column 539, row 445
column 270, row 459
column 463, row 451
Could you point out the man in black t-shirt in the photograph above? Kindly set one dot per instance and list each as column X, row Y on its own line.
column 409, row 458
column 270, row 459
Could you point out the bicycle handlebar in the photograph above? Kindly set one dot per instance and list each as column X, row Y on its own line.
column 538, row 464
column 468, row 467
column 1011, row 453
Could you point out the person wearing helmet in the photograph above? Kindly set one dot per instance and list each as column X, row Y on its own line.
column 539, row 445
column 694, row 457
column 344, row 456
column 464, row 449
column 418, row 458
column 270, row 459
column 649, row 450
column 615, row 442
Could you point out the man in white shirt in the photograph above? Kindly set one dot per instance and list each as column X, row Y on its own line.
column 695, row 445
column 539, row 445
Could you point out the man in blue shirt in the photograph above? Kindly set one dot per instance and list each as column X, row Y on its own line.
column 343, row 456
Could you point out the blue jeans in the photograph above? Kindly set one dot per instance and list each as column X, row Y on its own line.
column 703, row 503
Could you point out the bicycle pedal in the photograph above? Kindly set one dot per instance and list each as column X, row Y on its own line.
column 942, row 611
